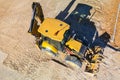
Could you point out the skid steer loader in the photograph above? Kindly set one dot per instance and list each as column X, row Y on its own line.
column 54, row 36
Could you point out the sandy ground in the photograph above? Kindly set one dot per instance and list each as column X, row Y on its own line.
column 25, row 61
column 7, row 73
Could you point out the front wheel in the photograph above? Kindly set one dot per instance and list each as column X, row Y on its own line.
column 45, row 47
column 73, row 61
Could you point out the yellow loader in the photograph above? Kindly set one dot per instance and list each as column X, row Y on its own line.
column 54, row 36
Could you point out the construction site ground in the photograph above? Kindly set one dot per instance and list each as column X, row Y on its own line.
column 21, row 60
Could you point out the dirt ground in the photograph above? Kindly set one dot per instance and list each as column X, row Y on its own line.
column 27, row 62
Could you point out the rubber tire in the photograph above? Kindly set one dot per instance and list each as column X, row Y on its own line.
column 73, row 61
column 44, row 50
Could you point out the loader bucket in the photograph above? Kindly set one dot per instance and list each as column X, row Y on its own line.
column 37, row 17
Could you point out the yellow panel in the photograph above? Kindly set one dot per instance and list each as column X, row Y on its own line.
column 53, row 28
column 73, row 44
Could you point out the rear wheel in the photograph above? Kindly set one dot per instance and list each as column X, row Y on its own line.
column 73, row 61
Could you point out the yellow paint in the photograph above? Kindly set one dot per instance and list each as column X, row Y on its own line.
column 96, row 57
column 46, row 45
column 53, row 29
column 93, row 66
column 73, row 44
column 97, row 49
